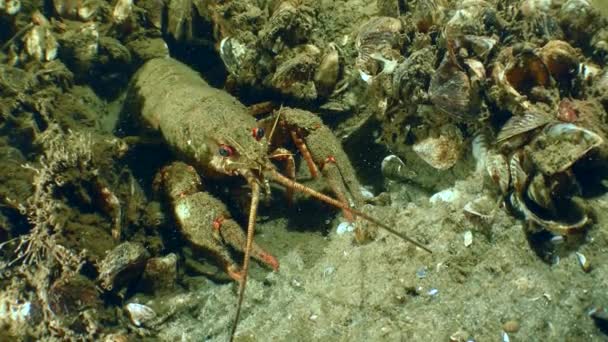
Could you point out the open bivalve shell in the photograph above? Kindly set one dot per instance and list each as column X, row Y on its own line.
column 561, row 145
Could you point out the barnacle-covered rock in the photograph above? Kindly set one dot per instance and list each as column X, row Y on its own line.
column 153, row 11
column 579, row 20
column 442, row 151
column 76, row 9
column 411, row 78
column 81, row 46
column 123, row 263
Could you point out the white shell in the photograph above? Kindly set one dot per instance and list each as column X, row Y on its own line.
column 232, row 53
column 122, row 10
column 345, row 227
column 447, row 195
column 468, row 238
column 140, row 314
column 583, row 261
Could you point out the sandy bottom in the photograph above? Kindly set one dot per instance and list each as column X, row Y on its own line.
column 329, row 288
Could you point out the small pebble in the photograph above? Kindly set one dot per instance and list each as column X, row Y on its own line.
column 421, row 273
column 511, row 326
column 345, row 227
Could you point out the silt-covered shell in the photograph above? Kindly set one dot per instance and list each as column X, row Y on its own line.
column 126, row 259
column 380, row 37
column 442, row 151
column 561, row 145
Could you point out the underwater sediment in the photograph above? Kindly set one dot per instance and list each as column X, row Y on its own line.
column 143, row 141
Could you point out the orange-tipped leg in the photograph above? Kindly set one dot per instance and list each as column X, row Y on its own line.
column 301, row 145
column 234, row 272
column 266, row 258
column 290, row 167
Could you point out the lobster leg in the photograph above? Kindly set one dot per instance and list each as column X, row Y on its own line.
column 205, row 221
column 290, row 167
column 322, row 151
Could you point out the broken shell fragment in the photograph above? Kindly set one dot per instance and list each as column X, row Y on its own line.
column 40, row 44
column 140, row 314
column 482, row 207
column 443, row 151
column 394, row 168
column 583, row 261
column 468, row 238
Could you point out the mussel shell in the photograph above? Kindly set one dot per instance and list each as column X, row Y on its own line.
column 441, row 152
column 573, row 215
column 526, row 71
column 560, row 145
column 561, row 60
column 520, row 124
column 452, row 91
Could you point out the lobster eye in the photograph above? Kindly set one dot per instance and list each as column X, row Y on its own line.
column 258, row 133
column 225, row 151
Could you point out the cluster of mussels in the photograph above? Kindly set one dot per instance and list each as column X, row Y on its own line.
column 524, row 81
